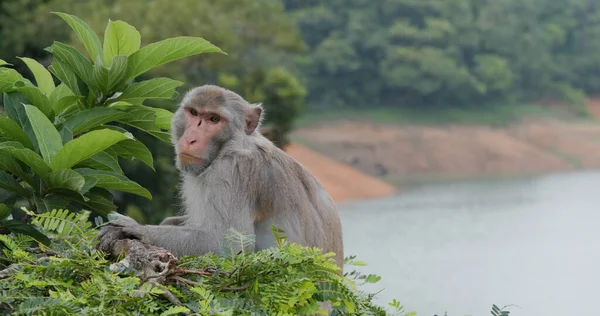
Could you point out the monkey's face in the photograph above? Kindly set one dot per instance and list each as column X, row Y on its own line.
column 204, row 132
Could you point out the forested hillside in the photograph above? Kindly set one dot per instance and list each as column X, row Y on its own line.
column 448, row 52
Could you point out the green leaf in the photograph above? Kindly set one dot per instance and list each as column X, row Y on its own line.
column 120, row 39
column 66, row 135
column 90, row 182
column 61, row 91
column 43, row 78
column 49, row 203
column 26, row 229
column 66, row 104
column 131, row 148
column 35, row 97
column 85, row 33
column 76, row 62
column 7, row 197
column 62, row 98
column 3, row 63
column 68, row 77
column 49, row 140
column 64, row 179
column 13, row 105
column 13, row 131
column 8, row 78
column 4, row 211
column 165, row 51
column 144, row 118
column 103, row 161
column 108, row 79
column 84, row 147
column 157, row 88
column 27, row 156
column 163, row 117
column 98, row 200
column 8, row 163
column 111, row 180
column 8, row 183
column 85, row 120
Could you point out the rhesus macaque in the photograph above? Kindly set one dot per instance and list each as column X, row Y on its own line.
column 234, row 177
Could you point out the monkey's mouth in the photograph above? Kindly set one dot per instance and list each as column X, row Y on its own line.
column 189, row 159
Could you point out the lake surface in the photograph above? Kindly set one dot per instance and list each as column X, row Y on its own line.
column 462, row 247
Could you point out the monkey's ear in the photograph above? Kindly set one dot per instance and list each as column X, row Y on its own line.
column 253, row 118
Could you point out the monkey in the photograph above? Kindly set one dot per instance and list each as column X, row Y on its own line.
column 232, row 177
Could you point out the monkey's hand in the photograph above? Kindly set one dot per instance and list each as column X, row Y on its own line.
column 118, row 228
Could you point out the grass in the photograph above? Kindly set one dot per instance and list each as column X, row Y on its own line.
column 484, row 115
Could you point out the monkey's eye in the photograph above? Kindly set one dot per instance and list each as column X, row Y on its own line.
column 193, row 112
column 214, row 118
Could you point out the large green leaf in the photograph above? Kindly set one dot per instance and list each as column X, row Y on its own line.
column 144, row 119
column 97, row 199
column 13, row 131
column 163, row 117
column 103, row 161
column 70, row 56
column 88, row 119
column 3, row 63
column 8, row 183
column 35, row 97
column 27, row 156
column 64, row 179
column 62, row 98
column 130, row 149
column 120, row 39
column 14, row 106
column 8, row 163
column 67, row 104
column 8, row 78
column 111, row 180
column 66, row 135
column 43, row 78
column 108, row 79
column 85, row 33
column 49, row 140
column 49, row 203
column 68, row 77
column 85, row 146
column 165, row 51
column 7, row 197
column 26, row 229
column 157, row 88
column 4, row 211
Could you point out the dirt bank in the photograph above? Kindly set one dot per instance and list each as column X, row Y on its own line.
column 355, row 156
column 401, row 153
column 343, row 182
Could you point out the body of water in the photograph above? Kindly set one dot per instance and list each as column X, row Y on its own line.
column 462, row 247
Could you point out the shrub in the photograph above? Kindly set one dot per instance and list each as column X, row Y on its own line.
column 60, row 144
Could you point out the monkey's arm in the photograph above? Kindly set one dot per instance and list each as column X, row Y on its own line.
column 175, row 220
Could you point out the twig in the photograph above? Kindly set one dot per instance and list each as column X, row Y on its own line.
column 232, row 289
column 187, row 271
column 12, row 269
column 186, row 281
column 38, row 250
column 167, row 294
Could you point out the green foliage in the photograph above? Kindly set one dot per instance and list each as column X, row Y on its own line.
column 70, row 277
column 455, row 53
column 60, row 143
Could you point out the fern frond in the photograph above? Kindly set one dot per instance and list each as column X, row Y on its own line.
column 62, row 221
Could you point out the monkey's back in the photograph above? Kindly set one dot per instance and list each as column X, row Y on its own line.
column 299, row 195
